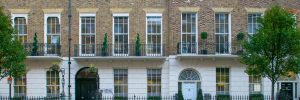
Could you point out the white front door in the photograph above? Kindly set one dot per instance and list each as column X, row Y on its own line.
column 189, row 91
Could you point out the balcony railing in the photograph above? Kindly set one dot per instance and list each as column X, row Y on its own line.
column 208, row 48
column 88, row 50
column 43, row 49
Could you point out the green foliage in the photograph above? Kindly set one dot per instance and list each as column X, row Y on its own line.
column 180, row 95
column 223, row 97
column 154, row 98
column 120, row 98
column 92, row 68
column 275, row 49
column 138, row 45
column 256, row 97
column 34, row 51
column 104, row 45
column 240, row 36
column 12, row 53
column 203, row 35
column 199, row 95
column 55, row 66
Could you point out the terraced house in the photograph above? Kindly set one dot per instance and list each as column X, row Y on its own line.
column 140, row 47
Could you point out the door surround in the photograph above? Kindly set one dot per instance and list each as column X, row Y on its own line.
column 189, row 76
column 83, row 76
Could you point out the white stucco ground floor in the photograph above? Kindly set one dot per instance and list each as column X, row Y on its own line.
column 135, row 77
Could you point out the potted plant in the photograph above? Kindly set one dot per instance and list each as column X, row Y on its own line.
column 34, row 46
column 104, row 46
column 138, row 45
column 55, row 66
column 204, row 37
column 92, row 68
column 240, row 37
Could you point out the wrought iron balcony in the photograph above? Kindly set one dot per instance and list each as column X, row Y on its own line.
column 43, row 49
column 89, row 50
column 208, row 49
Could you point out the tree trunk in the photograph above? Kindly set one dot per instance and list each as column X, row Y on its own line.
column 273, row 87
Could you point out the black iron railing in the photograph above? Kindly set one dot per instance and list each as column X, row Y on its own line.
column 118, row 50
column 208, row 48
column 42, row 49
column 175, row 97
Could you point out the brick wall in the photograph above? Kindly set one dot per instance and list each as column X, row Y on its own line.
column 137, row 17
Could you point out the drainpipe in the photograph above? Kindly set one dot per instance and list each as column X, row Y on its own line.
column 69, row 46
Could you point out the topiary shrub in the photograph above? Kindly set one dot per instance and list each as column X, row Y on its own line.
column 180, row 95
column 138, row 45
column 154, row 98
column 223, row 97
column 104, row 46
column 199, row 95
column 256, row 97
column 204, row 37
column 240, row 37
column 34, row 51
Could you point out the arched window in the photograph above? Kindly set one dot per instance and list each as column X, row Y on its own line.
column 189, row 74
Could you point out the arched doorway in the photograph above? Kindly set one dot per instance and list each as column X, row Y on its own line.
column 189, row 83
column 86, row 84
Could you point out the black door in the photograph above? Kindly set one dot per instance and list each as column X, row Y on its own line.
column 287, row 89
column 86, row 89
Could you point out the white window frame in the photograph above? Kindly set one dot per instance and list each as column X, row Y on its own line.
column 153, row 84
column 59, row 79
column 229, row 32
column 189, row 33
column 86, row 15
column 261, row 14
column 161, row 34
column 252, row 83
column 122, row 84
column 46, row 16
column 229, row 84
column 14, row 85
column 14, row 15
column 113, row 28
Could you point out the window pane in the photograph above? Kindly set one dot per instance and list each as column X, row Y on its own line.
column 120, row 82
column 20, row 86
column 188, row 35
column 121, row 35
column 253, row 23
column 53, row 81
column 88, row 35
column 153, row 34
column 222, row 80
column 153, row 82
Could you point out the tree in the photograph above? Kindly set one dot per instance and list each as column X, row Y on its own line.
column 12, row 52
column 34, row 51
column 274, row 50
column 138, row 45
column 104, row 45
